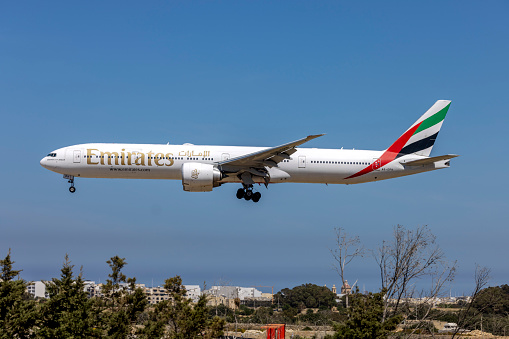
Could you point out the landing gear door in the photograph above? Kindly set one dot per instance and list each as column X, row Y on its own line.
column 377, row 163
column 302, row 161
column 77, row 156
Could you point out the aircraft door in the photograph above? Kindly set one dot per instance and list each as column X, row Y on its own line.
column 225, row 156
column 302, row 161
column 377, row 163
column 77, row 156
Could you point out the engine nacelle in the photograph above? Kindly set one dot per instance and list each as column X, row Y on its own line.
column 198, row 177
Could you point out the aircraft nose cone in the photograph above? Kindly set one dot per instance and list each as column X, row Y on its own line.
column 43, row 163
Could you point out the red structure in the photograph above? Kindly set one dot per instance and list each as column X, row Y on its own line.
column 275, row 331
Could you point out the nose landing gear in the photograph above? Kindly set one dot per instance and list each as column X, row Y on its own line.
column 248, row 194
column 70, row 178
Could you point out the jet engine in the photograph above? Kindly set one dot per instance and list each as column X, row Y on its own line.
column 198, row 177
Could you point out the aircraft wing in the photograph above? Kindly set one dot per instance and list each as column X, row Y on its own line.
column 270, row 156
column 432, row 160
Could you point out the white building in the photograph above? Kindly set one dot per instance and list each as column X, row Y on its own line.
column 232, row 292
column 37, row 289
column 193, row 292
column 248, row 292
column 228, row 292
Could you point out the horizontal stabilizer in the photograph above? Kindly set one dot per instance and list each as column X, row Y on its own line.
column 431, row 160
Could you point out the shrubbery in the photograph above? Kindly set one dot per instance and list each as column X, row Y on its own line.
column 69, row 313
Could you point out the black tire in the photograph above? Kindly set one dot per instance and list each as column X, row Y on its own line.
column 257, row 196
column 248, row 195
column 72, row 189
column 240, row 193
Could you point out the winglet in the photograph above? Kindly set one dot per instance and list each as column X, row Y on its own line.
column 311, row 137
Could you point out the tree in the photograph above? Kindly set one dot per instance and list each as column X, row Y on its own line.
column 347, row 248
column 319, row 318
column 409, row 256
column 306, row 296
column 68, row 313
column 469, row 311
column 365, row 318
column 123, row 301
column 493, row 300
column 17, row 312
column 237, row 305
column 184, row 320
column 262, row 315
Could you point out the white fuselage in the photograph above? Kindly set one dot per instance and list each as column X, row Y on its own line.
column 150, row 161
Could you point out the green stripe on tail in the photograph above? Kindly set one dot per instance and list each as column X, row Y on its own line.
column 434, row 119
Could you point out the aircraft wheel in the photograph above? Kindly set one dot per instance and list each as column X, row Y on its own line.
column 248, row 195
column 72, row 189
column 257, row 196
column 240, row 193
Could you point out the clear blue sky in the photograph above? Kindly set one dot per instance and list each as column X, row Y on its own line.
column 260, row 74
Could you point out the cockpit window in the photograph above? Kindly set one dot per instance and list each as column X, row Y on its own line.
column 52, row 155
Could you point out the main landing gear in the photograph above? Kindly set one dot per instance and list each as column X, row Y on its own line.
column 248, row 194
column 72, row 189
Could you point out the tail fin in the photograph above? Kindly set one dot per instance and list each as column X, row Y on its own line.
column 420, row 137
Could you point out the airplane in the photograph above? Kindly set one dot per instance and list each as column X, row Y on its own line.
column 201, row 168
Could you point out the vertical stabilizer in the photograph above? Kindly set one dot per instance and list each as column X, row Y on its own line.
column 420, row 137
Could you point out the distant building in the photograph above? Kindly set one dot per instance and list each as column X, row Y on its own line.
column 226, row 295
column 193, row 292
column 214, row 301
column 346, row 289
column 249, row 292
column 227, row 292
column 232, row 292
column 156, row 294
column 37, row 289
column 93, row 290
column 268, row 296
